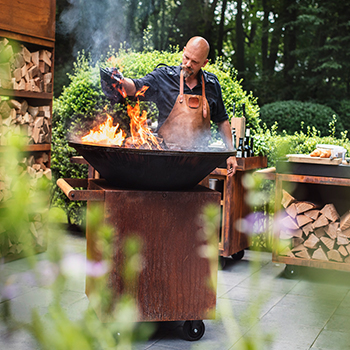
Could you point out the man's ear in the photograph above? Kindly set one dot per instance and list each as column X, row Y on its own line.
column 205, row 62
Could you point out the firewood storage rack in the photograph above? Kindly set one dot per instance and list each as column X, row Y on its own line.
column 303, row 185
column 173, row 284
column 232, row 240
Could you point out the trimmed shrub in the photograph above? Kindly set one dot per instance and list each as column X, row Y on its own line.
column 294, row 116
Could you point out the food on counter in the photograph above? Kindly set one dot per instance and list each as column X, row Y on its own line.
column 322, row 153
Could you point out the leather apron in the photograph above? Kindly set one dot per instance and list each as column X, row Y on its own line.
column 188, row 124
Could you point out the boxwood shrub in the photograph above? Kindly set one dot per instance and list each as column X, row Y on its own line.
column 294, row 116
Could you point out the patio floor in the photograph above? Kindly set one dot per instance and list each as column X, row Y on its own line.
column 255, row 302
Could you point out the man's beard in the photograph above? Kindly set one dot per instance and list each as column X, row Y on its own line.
column 187, row 71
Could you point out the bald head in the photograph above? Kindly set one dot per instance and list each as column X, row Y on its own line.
column 199, row 44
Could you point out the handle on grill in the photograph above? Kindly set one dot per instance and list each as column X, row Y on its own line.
column 66, row 185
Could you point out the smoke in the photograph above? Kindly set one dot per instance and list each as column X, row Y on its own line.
column 94, row 26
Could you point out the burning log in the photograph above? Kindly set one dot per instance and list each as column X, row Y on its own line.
column 315, row 234
column 25, row 70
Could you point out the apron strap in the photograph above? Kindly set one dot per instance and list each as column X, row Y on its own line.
column 181, row 98
column 205, row 112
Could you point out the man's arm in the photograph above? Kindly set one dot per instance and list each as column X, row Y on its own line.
column 129, row 86
column 225, row 132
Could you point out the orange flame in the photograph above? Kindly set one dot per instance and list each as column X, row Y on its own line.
column 141, row 135
column 105, row 133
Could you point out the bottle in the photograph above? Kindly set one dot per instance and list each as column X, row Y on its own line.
column 246, row 150
column 234, row 138
column 247, row 126
column 251, row 146
column 240, row 148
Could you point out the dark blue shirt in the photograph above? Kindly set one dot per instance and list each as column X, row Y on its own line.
column 164, row 87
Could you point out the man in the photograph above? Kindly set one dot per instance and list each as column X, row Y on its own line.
column 201, row 93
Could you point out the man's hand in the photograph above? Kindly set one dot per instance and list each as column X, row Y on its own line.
column 231, row 165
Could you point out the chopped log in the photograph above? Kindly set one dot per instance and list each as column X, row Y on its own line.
column 330, row 212
column 5, row 71
column 44, row 56
column 288, row 222
column 26, row 54
column 35, row 58
column 299, row 248
column 320, row 232
column 303, row 220
column 348, row 248
column 342, row 240
column 291, row 210
column 319, row 254
column 18, row 61
column 287, row 199
column 343, row 251
column 334, row 255
column 5, row 109
column 346, row 232
column 297, row 241
column 313, row 213
column 285, row 234
column 3, row 43
column 33, row 72
column 321, row 221
column 297, row 233
column 17, row 74
column 307, row 229
column 304, row 206
column 286, row 252
column 47, row 78
column 328, row 242
column 311, row 242
column 304, row 254
column 345, row 221
column 331, row 229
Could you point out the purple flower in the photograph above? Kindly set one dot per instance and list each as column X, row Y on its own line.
column 253, row 224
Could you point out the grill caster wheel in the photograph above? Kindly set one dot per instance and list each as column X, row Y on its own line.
column 222, row 262
column 238, row 256
column 291, row 271
column 193, row 330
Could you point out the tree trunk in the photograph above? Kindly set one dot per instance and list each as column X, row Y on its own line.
column 221, row 28
column 240, row 63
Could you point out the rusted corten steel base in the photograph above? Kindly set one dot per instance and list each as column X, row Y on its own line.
column 174, row 281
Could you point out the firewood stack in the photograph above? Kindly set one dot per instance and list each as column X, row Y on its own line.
column 18, row 117
column 36, row 166
column 23, row 70
column 308, row 232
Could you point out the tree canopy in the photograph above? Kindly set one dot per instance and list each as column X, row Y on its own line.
column 282, row 49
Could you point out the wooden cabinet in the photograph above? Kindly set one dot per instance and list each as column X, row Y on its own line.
column 233, row 205
column 321, row 190
column 27, row 43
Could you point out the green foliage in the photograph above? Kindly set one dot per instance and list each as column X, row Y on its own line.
column 83, row 100
column 295, row 116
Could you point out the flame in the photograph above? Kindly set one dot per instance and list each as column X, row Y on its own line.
column 105, row 133
column 141, row 135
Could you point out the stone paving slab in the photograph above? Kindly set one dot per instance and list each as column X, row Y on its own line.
column 255, row 303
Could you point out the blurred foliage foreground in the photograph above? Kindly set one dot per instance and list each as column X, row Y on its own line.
column 53, row 328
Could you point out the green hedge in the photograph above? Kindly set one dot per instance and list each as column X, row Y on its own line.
column 83, row 99
column 292, row 116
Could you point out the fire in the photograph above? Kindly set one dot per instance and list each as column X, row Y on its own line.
column 105, row 133
column 141, row 135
